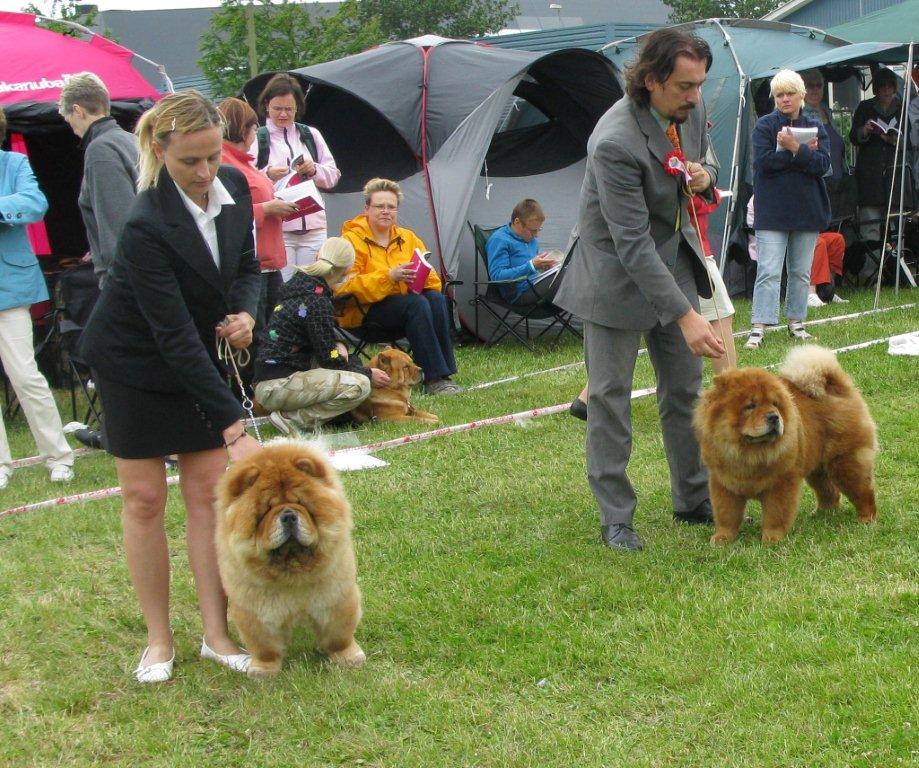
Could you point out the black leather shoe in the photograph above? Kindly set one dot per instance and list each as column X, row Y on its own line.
column 578, row 409
column 620, row 536
column 91, row 438
column 701, row 515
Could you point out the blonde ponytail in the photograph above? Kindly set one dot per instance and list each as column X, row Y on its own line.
column 180, row 112
column 335, row 255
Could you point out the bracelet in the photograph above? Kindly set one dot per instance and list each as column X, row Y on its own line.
column 236, row 439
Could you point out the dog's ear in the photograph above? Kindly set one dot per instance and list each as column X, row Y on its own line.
column 311, row 466
column 243, row 479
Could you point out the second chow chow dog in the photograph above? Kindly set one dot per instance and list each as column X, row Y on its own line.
column 763, row 434
column 392, row 403
column 285, row 554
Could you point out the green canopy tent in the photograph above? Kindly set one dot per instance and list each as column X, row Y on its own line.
column 898, row 23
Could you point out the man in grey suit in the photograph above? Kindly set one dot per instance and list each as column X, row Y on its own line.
column 638, row 271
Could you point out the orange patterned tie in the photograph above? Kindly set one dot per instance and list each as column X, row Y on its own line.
column 673, row 136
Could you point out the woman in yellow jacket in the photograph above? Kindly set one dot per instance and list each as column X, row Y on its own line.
column 380, row 281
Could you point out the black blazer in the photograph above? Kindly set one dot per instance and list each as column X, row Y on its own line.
column 153, row 326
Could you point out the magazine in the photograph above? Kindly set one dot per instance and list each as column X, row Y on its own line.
column 293, row 188
column 422, row 269
column 802, row 136
column 559, row 259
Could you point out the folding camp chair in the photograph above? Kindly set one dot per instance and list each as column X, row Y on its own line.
column 357, row 339
column 512, row 317
column 78, row 291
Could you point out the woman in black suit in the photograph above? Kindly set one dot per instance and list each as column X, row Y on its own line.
column 185, row 273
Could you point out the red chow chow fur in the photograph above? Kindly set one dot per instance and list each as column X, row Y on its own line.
column 761, row 435
column 285, row 554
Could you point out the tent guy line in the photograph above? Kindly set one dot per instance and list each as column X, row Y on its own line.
column 261, row 420
column 520, row 416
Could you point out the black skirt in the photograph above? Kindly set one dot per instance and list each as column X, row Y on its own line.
column 140, row 424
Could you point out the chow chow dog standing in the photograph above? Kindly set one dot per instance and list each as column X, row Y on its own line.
column 285, row 554
column 761, row 435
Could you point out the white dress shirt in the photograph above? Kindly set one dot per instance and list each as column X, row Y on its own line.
column 217, row 198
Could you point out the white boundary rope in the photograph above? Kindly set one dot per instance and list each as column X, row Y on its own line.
column 104, row 493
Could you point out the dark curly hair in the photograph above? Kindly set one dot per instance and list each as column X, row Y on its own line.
column 659, row 52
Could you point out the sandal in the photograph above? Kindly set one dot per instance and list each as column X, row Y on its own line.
column 797, row 332
column 756, row 339
column 160, row 672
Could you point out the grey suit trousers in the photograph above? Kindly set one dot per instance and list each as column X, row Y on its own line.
column 610, row 354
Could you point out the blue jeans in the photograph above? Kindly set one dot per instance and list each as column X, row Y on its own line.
column 770, row 256
column 425, row 321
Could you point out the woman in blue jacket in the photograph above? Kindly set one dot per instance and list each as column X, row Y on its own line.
column 792, row 207
column 21, row 285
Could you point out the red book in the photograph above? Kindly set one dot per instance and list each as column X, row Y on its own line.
column 422, row 269
column 303, row 192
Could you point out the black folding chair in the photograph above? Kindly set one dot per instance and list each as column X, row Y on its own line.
column 512, row 317
column 78, row 290
column 359, row 338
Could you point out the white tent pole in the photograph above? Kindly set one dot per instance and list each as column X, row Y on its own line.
column 735, row 171
column 901, row 140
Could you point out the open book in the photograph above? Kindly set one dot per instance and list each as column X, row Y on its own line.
column 293, row 188
column 802, row 136
column 886, row 128
column 559, row 257
column 422, row 269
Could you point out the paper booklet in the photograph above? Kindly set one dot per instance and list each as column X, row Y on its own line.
column 888, row 127
column 559, row 258
column 802, row 136
column 422, row 269
column 293, row 188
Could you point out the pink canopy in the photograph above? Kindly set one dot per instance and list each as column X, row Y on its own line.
column 36, row 61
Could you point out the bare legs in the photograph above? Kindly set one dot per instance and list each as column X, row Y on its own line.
column 143, row 483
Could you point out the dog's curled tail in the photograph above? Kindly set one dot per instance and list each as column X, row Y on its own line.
column 815, row 370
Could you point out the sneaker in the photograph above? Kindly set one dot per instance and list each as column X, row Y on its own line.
column 282, row 424
column 442, row 387
column 796, row 331
column 813, row 300
column 4, row 478
column 61, row 474
column 756, row 339
column 837, row 299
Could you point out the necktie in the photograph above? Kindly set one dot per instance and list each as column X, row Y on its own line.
column 675, row 140
column 673, row 136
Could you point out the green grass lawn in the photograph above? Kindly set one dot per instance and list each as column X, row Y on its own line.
column 499, row 632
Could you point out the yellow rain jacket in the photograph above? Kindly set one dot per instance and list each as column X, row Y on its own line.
column 369, row 279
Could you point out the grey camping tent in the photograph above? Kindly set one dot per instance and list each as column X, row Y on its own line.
column 466, row 128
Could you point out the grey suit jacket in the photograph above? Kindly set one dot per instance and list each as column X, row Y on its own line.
column 621, row 275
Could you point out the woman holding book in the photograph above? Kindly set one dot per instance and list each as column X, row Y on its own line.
column 790, row 157
column 283, row 145
column 303, row 375
column 876, row 147
column 268, row 212
column 383, row 281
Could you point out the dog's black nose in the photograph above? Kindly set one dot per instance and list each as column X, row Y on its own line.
column 772, row 419
column 288, row 517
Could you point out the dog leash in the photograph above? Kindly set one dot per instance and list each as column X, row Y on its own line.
column 234, row 359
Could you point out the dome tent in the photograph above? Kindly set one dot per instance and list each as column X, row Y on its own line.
column 32, row 73
column 467, row 129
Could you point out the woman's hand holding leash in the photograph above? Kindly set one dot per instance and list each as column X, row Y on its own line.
column 237, row 330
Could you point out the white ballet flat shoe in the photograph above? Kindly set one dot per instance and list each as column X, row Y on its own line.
column 238, row 662
column 154, row 673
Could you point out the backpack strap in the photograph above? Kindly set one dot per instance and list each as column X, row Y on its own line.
column 306, row 136
column 261, row 136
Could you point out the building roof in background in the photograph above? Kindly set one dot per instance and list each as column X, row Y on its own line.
column 786, row 8
column 592, row 36
column 899, row 24
column 171, row 37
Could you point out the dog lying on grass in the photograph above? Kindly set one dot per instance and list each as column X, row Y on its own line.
column 391, row 402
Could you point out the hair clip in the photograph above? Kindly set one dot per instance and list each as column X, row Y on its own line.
column 173, row 124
